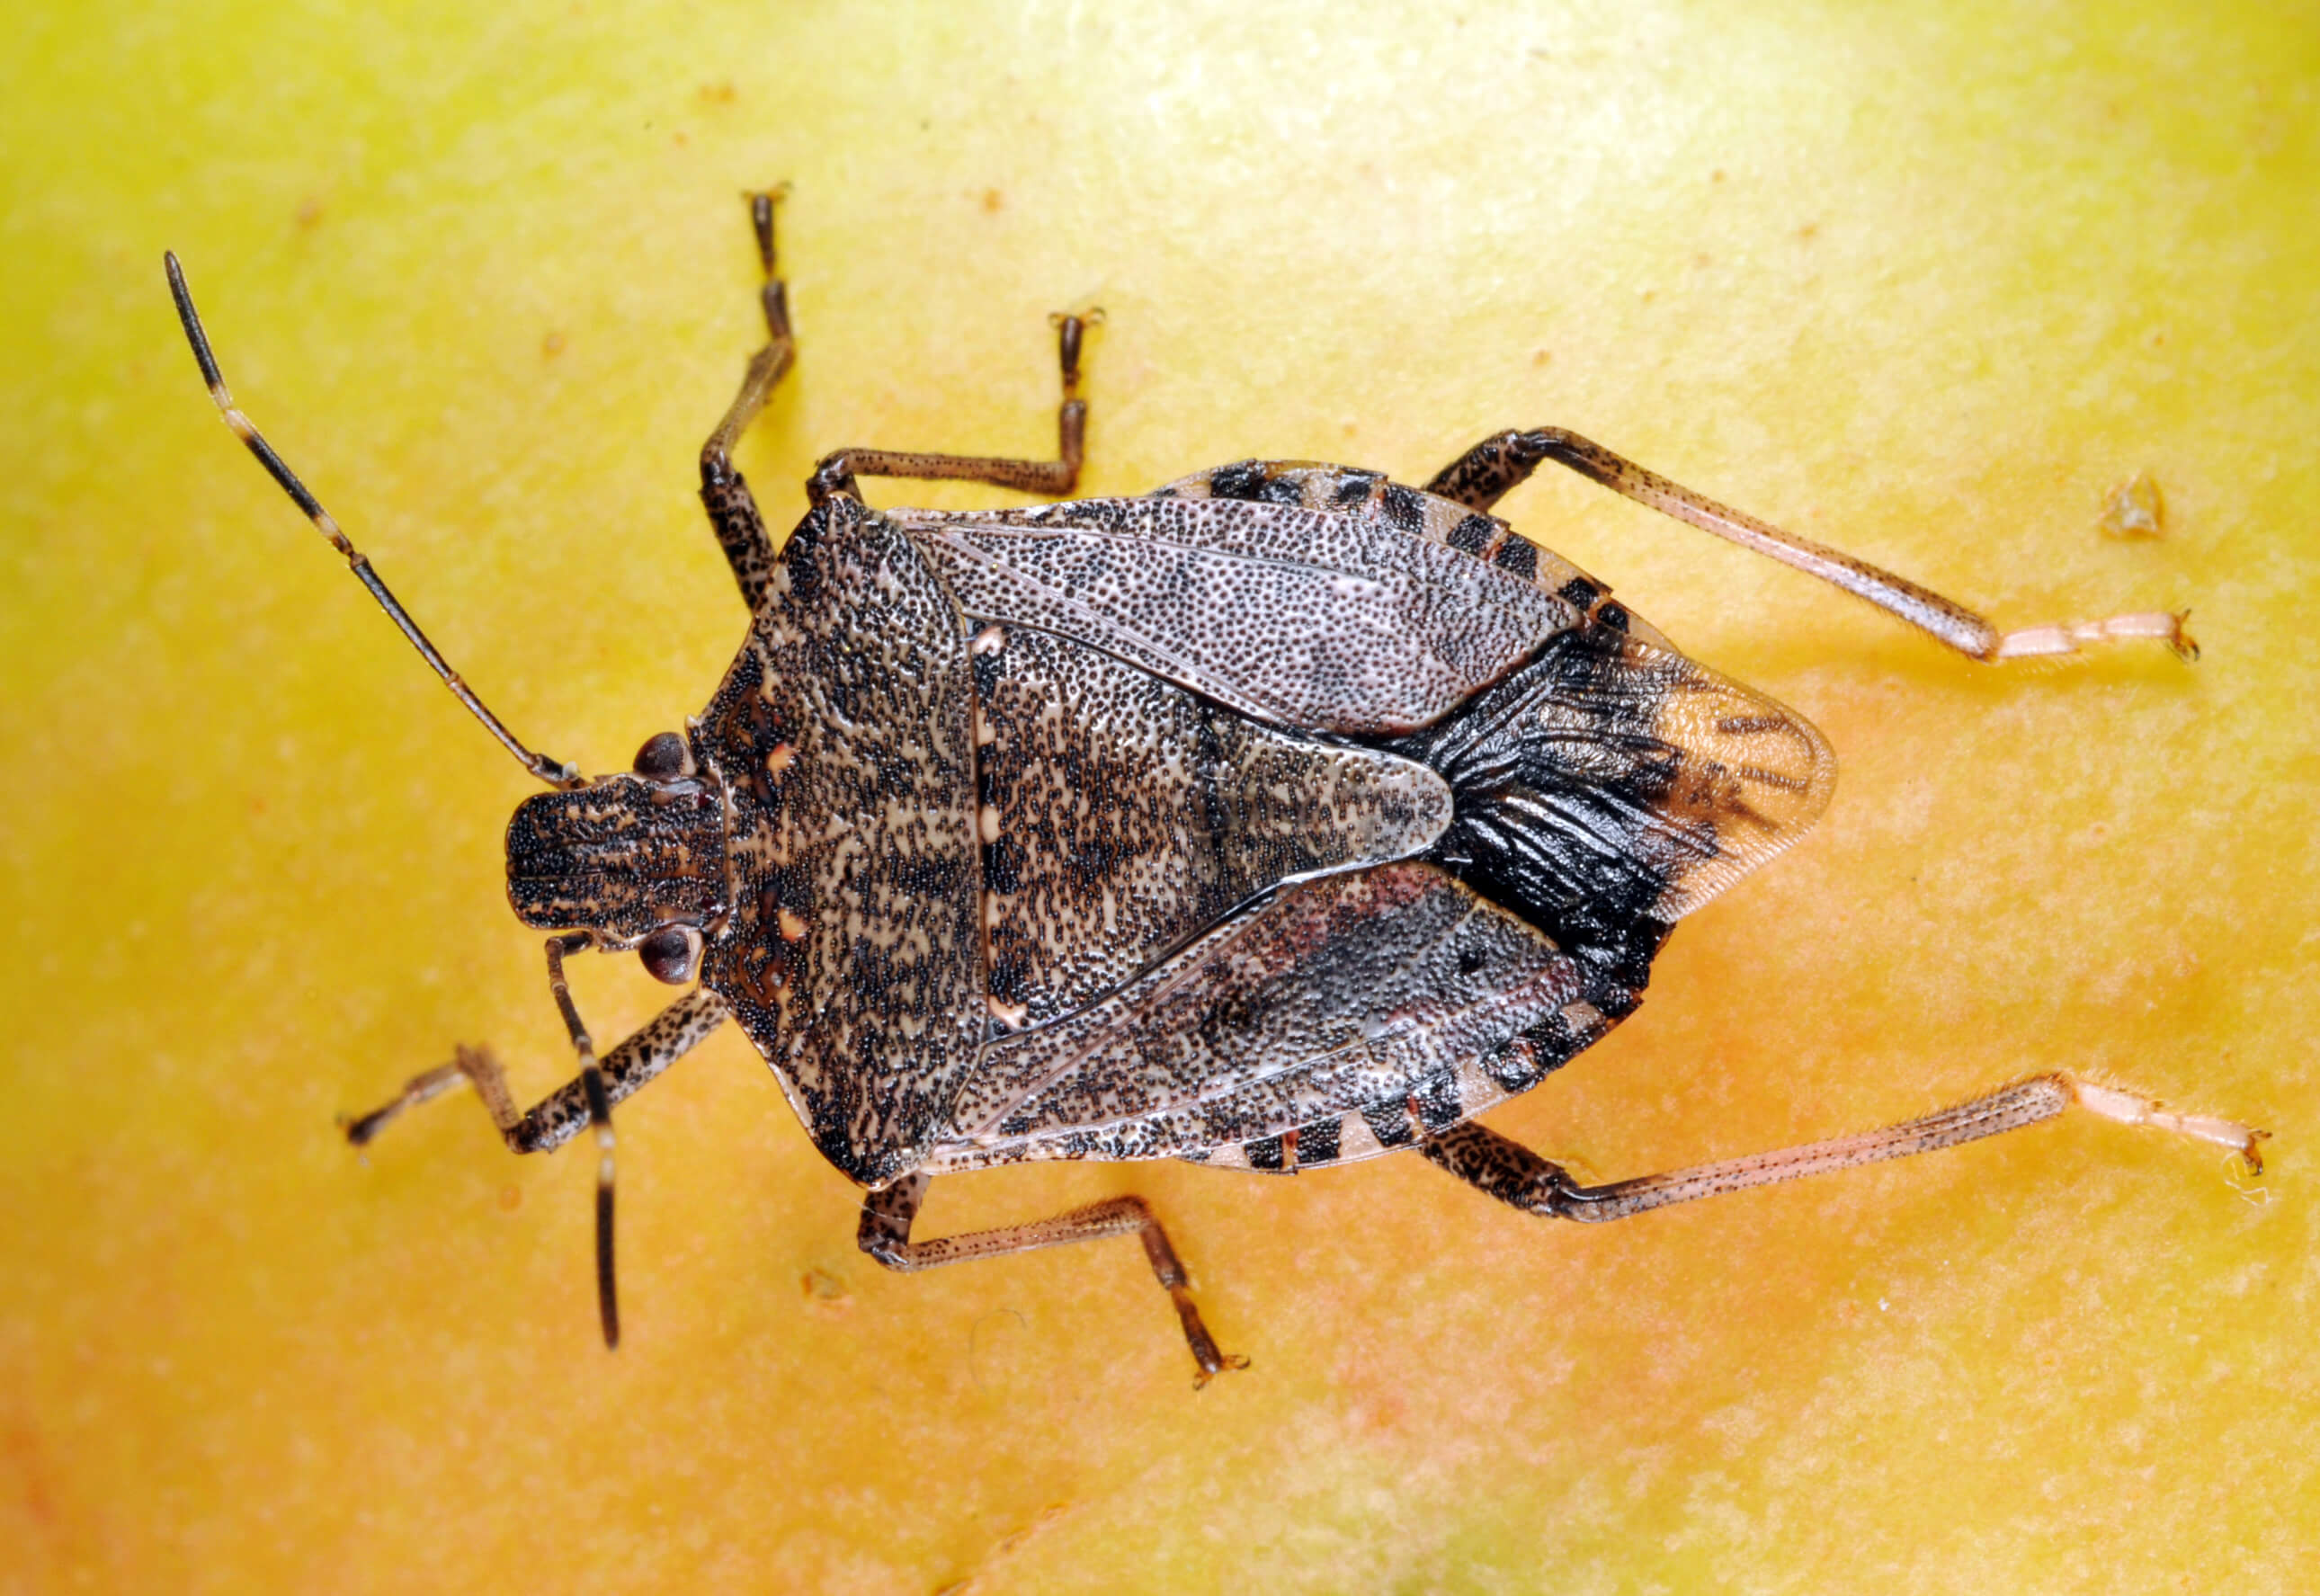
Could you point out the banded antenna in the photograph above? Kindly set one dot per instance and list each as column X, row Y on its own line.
column 554, row 771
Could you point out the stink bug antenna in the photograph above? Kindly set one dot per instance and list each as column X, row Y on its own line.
column 555, row 773
column 599, row 1099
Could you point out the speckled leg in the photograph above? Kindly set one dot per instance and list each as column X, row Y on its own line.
column 1487, row 472
column 885, row 1236
column 563, row 1113
column 1514, row 1174
column 732, row 508
column 584, row 1102
column 836, row 472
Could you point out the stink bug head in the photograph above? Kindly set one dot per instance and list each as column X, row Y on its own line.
column 633, row 860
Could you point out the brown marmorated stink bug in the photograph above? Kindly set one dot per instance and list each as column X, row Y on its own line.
column 1283, row 817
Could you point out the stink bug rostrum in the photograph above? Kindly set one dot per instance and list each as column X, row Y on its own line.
column 1283, row 817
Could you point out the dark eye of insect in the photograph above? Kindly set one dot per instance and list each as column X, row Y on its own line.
column 668, row 954
column 662, row 756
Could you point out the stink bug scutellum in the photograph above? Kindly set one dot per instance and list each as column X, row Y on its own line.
column 1283, row 817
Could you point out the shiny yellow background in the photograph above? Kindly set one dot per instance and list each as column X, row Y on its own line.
column 1923, row 280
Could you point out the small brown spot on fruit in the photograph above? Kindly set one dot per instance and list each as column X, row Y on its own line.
column 309, row 213
column 551, row 344
column 993, row 202
column 511, row 1198
column 2134, row 509
column 824, row 1289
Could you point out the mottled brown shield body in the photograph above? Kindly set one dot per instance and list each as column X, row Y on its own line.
column 1266, row 832
column 1286, row 816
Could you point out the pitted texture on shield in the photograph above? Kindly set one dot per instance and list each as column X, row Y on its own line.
column 1367, row 630
column 619, row 856
column 1123, row 816
column 843, row 734
column 1338, row 992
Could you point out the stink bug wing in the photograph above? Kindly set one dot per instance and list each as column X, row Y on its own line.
column 1305, row 619
column 1752, row 776
column 1335, row 994
column 1123, row 817
column 1611, row 786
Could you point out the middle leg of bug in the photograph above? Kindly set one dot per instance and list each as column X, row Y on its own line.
column 836, row 472
column 1494, row 467
column 1514, row 1174
column 732, row 508
column 885, row 1235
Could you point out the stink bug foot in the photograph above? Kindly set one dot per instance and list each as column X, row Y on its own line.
column 1283, row 817
column 885, row 1235
column 1494, row 467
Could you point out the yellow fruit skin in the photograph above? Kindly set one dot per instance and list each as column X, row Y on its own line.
column 1924, row 281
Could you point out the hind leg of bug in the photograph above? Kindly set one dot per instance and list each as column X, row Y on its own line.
column 1514, row 1174
column 836, row 472
column 724, row 493
column 885, row 1235
column 1493, row 468
column 586, row 1101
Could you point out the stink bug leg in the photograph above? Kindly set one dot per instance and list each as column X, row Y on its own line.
column 732, row 508
column 1494, row 467
column 580, row 1103
column 837, row 470
column 885, row 1236
column 1514, row 1174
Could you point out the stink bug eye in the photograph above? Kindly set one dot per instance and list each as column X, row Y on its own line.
column 662, row 757
column 671, row 953
column 1286, row 816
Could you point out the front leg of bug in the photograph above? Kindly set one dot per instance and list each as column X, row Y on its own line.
column 1501, row 462
column 584, row 1102
column 724, row 493
column 885, row 1235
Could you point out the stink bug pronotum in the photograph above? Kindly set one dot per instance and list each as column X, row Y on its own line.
column 1283, row 817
